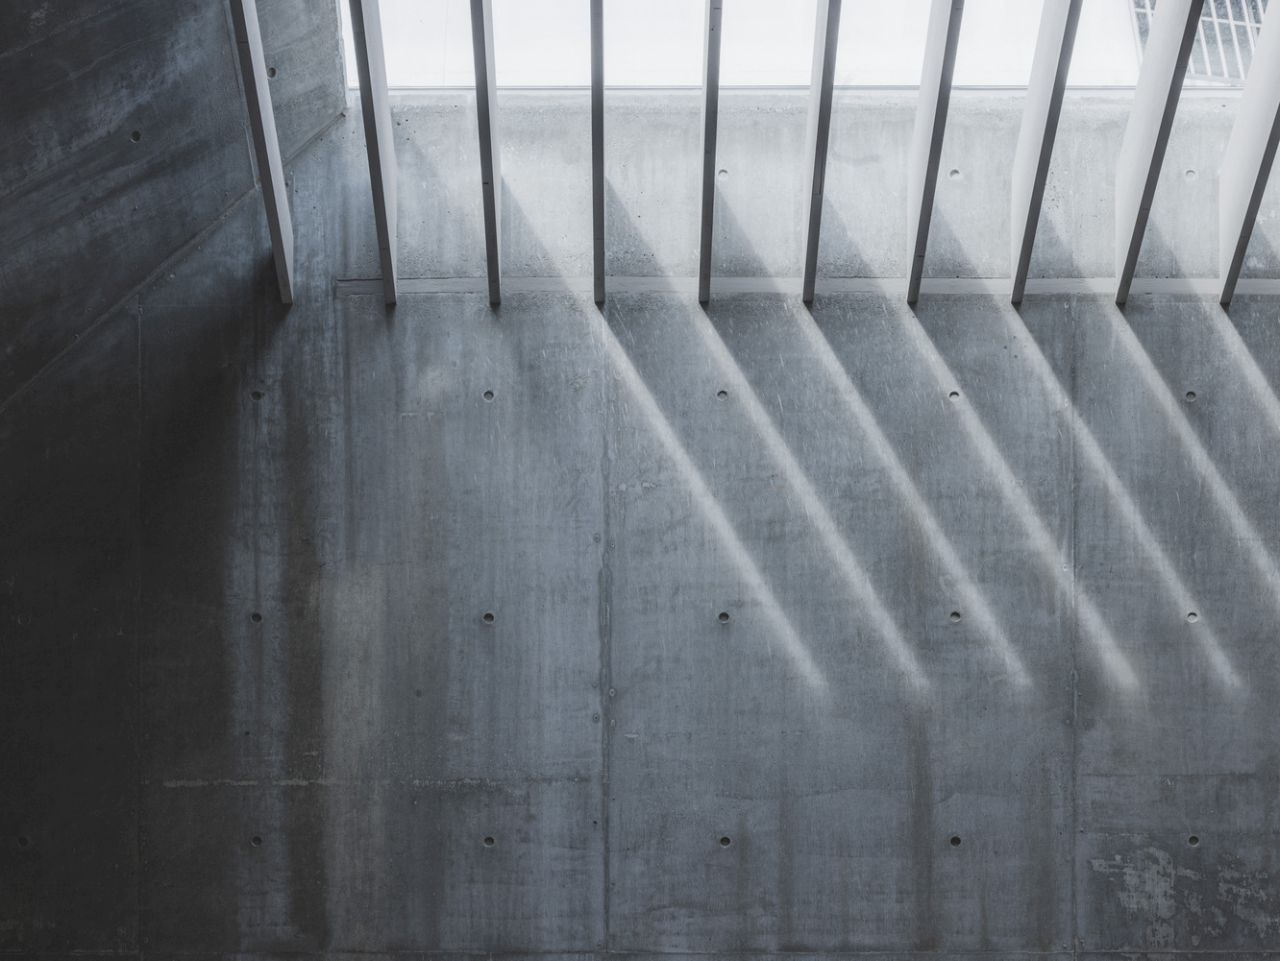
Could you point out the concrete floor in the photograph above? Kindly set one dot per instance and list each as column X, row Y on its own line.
column 652, row 630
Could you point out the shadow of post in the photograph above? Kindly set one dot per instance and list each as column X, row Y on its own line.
column 627, row 374
column 1090, row 452
column 972, row 598
column 1055, row 562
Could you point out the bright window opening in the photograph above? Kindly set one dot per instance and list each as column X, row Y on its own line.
column 769, row 43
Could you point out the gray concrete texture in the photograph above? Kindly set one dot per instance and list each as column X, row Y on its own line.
column 938, row 633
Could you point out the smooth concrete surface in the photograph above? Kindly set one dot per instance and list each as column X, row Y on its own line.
column 553, row 631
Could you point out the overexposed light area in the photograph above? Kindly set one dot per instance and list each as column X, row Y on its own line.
column 770, row 43
column 998, row 42
column 650, row 43
column 427, row 43
column 766, row 43
column 1106, row 51
column 882, row 44
column 546, row 43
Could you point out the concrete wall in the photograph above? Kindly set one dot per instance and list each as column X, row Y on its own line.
column 125, row 138
column 252, row 703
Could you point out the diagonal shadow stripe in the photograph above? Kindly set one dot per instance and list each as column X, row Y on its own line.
column 824, row 525
column 1238, row 351
column 706, row 500
column 1176, row 589
column 1086, row 444
column 857, row 408
column 850, row 569
column 1055, row 561
column 793, row 646
column 1223, row 497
